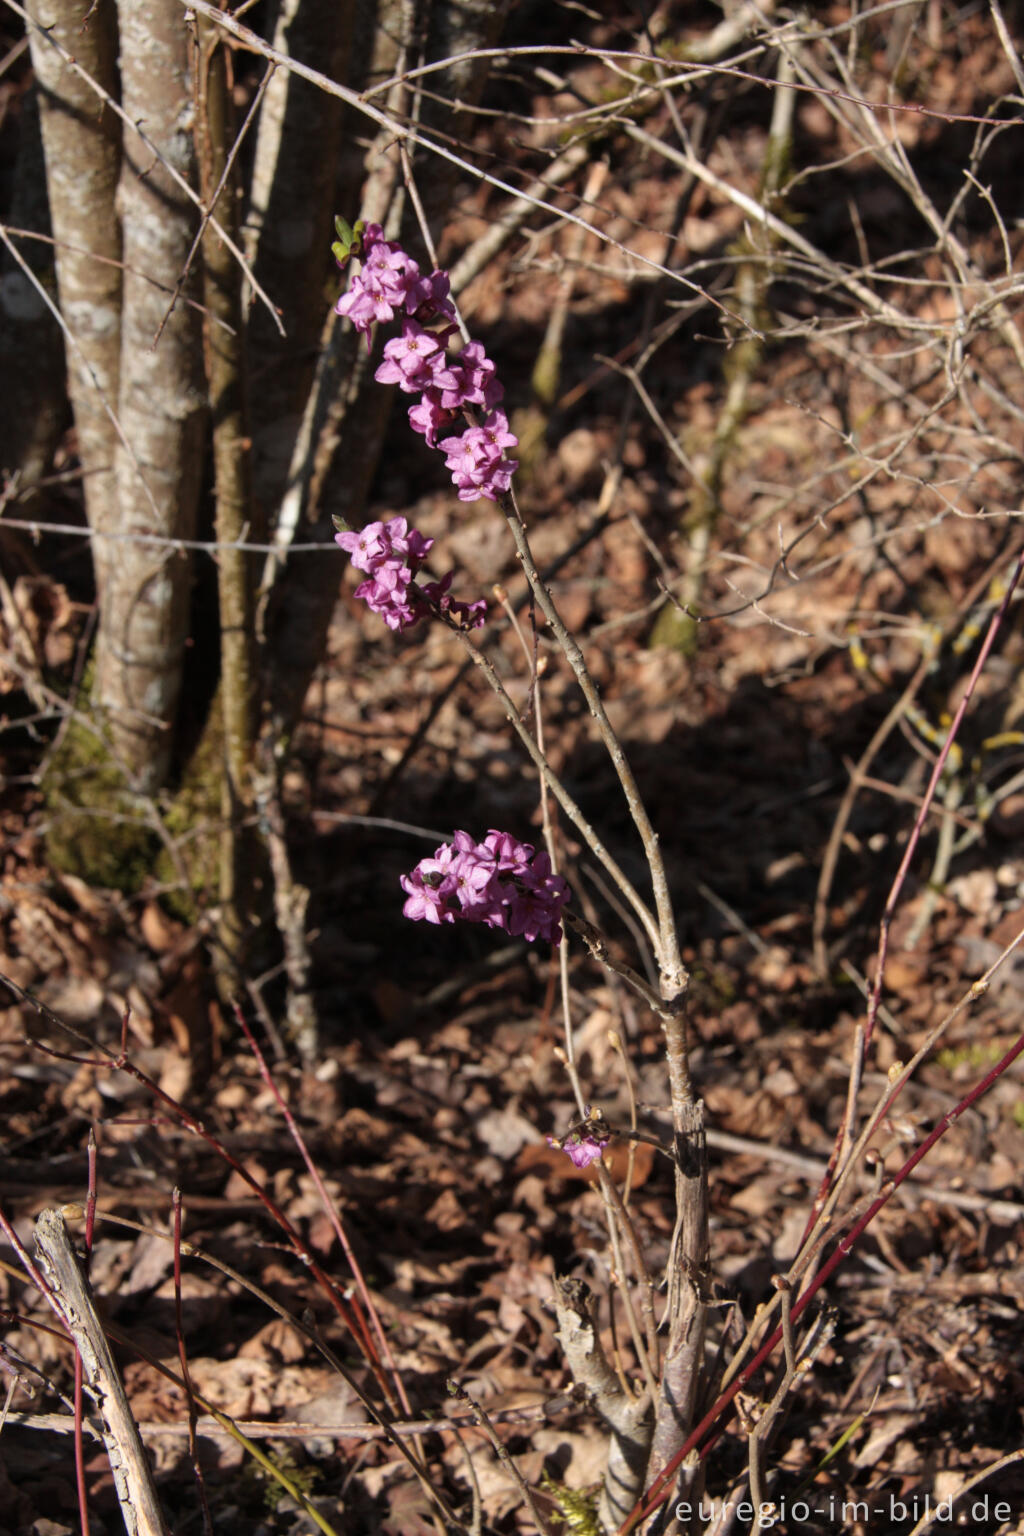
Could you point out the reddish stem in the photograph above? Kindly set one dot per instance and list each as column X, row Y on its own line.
column 351, row 1315
column 332, row 1214
column 889, row 911
column 875, row 998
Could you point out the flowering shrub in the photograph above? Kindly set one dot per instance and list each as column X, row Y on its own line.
column 388, row 285
column 500, row 882
column 391, row 553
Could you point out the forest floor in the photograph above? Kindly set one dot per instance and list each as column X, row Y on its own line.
column 438, row 1076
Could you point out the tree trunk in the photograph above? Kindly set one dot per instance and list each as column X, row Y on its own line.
column 235, row 721
column 143, row 620
column 81, row 140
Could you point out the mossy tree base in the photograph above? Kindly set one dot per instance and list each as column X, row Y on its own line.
column 102, row 831
column 96, row 827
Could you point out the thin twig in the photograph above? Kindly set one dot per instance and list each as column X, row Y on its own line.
column 501, row 1451
column 329, row 1208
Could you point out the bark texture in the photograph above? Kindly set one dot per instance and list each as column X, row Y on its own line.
column 143, row 620
column 82, row 143
column 72, row 1301
column 628, row 1418
column 681, row 1371
column 225, row 371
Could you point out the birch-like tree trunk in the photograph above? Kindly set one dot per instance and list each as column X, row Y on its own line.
column 142, row 365
column 82, row 146
column 144, row 616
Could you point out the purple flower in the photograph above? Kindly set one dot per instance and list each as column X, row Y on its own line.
column 475, row 375
column 535, row 909
column 500, row 882
column 427, row 297
column 364, row 303
column 473, row 871
column 381, row 286
column 465, row 455
column 496, row 432
column 391, row 553
column 428, row 417
column 387, row 593
column 513, row 857
column 430, row 885
column 408, row 541
column 411, row 360
column 581, row 1150
column 390, row 265
column 390, row 283
column 425, row 902
column 367, row 547
column 475, row 458
column 466, row 615
column 380, row 545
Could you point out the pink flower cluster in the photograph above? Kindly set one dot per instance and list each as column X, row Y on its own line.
column 500, row 882
column 585, row 1141
column 388, row 284
column 579, row 1149
column 391, row 553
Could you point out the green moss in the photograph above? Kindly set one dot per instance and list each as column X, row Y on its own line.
column 259, row 1480
column 674, row 630
column 977, row 1055
column 577, row 1510
column 712, row 989
column 547, row 371
column 305, row 1478
column 96, row 827
column 778, row 162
